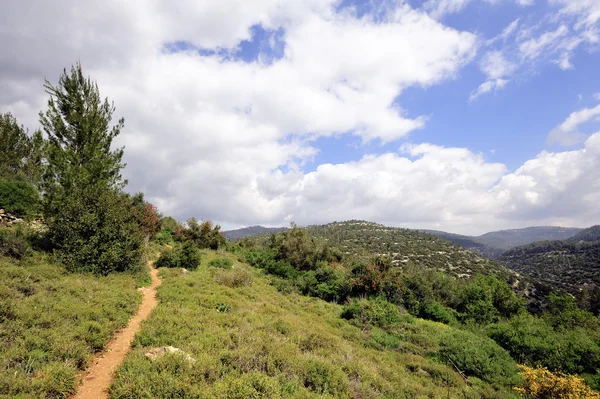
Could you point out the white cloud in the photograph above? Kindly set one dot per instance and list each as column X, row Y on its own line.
column 218, row 138
column 486, row 87
column 566, row 134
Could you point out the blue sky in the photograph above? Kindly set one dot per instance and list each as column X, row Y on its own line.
column 460, row 115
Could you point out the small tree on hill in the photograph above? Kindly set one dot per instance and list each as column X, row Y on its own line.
column 91, row 224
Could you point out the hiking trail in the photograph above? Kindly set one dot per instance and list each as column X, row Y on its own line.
column 98, row 377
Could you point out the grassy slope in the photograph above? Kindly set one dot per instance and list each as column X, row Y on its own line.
column 251, row 341
column 52, row 322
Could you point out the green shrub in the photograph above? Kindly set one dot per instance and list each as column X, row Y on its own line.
column 98, row 234
column 11, row 245
column 169, row 258
column 323, row 378
column 18, row 197
column 533, row 341
column 385, row 340
column 478, row 356
column 377, row 312
column 234, row 278
column 437, row 312
column 186, row 256
column 221, row 263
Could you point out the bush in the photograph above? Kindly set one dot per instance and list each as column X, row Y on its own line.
column 532, row 340
column 437, row 312
column 234, row 278
column 97, row 233
column 186, row 256
column 11, row 245
column 478, row 356
column 221, row 263
column 18, row 197
column 377, row 312
column 542, row 384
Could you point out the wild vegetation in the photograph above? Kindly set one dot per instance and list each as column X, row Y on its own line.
column 51, row 321
column 562, row 337
column 569, row 264
column 248, row 340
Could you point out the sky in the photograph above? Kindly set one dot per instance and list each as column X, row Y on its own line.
column 460, row 115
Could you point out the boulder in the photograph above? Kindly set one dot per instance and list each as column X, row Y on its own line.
column 156, row 353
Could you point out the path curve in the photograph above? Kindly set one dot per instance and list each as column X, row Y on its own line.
column 99, row 376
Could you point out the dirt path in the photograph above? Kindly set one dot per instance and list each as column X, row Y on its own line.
column 98, row 377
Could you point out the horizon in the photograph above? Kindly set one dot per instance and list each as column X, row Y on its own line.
column 465, row 116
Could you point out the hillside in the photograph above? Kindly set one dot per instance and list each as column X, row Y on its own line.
column 591, row 234
column 493, row 244
column 245, row 339
column 506, row 239
column 238, row 234
column 469, row 243
column 408, row 248
column 567, row 264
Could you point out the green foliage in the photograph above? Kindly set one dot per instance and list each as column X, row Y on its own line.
column 12, row 244
column 204, row 234
column 274, row 345
column 221, row 263
column 487, row 300
column 533, row 341
column 565, row 264
column 435, row 311
column 92, row 226
column 185, row 255
column 101, row 235
column 14, row 145
column 18, row 197
column 377, row 312
column 479, row 356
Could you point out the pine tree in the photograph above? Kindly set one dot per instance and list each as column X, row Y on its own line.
column 91, row 222
column 77, row 123
column 15, row 145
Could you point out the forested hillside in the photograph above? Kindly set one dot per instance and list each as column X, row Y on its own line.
column 568, row 264
column 493, row 244
column 408, row 248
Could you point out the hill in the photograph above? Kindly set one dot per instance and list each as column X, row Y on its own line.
column 238, row 234
column 494, row 243
column 567, row 264
column 469, row 243
column 591, row 234
column 409, row 248
column 506, row 239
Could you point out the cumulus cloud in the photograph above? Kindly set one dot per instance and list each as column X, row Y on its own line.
column 214, row 136
column 567, row 134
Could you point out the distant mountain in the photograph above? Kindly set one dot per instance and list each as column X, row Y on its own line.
column 567, row 264
column 469, row 243
column 409, row 248
column 506, row 239
column 495, row 243
column 233, row 235
column 588, row 235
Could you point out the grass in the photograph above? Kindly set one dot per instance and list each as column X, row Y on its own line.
column 251, row 341
column 52, row 322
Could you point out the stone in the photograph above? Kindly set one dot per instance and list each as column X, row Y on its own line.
column 156, row 353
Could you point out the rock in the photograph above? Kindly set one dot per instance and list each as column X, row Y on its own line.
column 2, row 212
column 156, row 353
column 184, row 271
